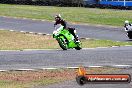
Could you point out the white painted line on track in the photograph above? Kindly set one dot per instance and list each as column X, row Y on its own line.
column 11, row 30
column 4, row 16
column 31, row 32
column 25, row 69
column 55, row 68
column 49, row 68
column 48, row 34
column 24, row 18
column 115, row 46
column 72, row 67
column 95, row 66
column 38, row 49
column 22, row 31
column 43, row 20
column 88, row 48
column 87, row 38
column 3, row 70
column 40, row 33
column 10, row 50
column 122, row 65
column 102, row 47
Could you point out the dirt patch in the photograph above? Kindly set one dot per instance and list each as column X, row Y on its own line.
column 19, row 41
column 29, row 79
column 62, row 74
column 27, row 76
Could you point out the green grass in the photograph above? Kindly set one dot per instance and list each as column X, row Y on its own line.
column 20, row 41
column 32, row 79
column 37, row 82
column 92, row 43
column 72, row 14
column 29, row 79
column 15, row 84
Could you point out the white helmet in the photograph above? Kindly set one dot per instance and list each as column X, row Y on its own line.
column 126, row 22
column 58, row 16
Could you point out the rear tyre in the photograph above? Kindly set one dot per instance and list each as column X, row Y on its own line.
column 78, row 48
column 130, row 37
column 62, row 43
column 130, row 34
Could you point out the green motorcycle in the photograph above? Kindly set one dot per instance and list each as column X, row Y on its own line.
column 65, row 39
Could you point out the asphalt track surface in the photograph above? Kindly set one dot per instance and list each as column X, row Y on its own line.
column 98, row 32
column 70, row 58
column 59, row 58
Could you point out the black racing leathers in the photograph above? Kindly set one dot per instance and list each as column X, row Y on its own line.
column 64, row 23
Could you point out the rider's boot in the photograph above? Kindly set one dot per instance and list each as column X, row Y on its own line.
column 76, row 39
column 73, row 32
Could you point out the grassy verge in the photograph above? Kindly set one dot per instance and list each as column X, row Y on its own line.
column 93, row 43
column 72, row 14
column 20, row 41
column 29, row 79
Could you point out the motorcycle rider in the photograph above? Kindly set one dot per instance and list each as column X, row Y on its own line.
column 127, row 25
column 59, row 20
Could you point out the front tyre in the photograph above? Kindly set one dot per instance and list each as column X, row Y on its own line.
column 62, row 43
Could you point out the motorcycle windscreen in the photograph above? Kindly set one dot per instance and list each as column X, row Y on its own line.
column 59, row 27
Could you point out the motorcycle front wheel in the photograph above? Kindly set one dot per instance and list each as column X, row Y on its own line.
column 62, row 42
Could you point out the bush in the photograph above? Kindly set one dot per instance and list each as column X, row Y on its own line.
column 45, row 2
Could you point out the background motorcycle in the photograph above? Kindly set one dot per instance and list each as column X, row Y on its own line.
column 129, row 31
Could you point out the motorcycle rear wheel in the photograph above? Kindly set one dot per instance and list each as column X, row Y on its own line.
column 78, row 48
column 129, row 34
